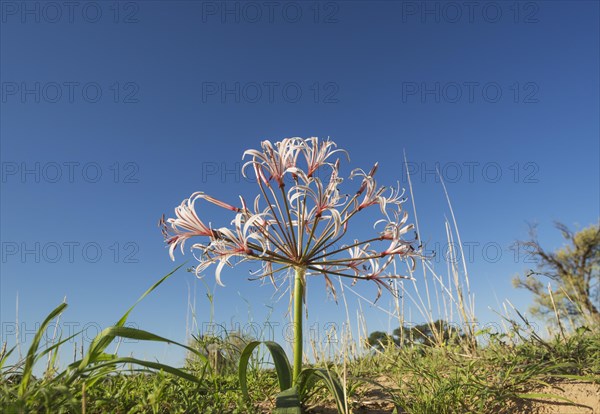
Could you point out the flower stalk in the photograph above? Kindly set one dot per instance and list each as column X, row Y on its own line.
column 299, row 286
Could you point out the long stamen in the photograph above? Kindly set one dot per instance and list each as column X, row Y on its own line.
column 270, row 206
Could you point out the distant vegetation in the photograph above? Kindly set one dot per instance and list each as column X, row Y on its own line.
column 566, row 284
column 427, row 334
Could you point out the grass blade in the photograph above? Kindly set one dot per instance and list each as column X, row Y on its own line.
column 148, row 364
column 32, row 352
column 101, row 342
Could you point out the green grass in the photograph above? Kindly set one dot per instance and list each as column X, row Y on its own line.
column 498, row 377
column 501, row 376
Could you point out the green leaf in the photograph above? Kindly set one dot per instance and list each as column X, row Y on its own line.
column 591, row 378
column 6, row 355
column 123, row 319
column 104, row 339
column 543, row 395
column 308, row 378
column 288, row 402
column 112, row 332
column 31, row 353
column 141, row 335
column 282, row 365
column 56, row 347
column 149, row 364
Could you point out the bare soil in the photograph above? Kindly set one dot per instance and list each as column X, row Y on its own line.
column 584, row 395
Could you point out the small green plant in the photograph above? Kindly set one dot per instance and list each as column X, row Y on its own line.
column 65, row 391
column 223, row 353
column 294, row 229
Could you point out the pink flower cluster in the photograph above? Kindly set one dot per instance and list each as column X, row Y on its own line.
column 297, row 220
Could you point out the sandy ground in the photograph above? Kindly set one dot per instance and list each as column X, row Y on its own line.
column 586, row 396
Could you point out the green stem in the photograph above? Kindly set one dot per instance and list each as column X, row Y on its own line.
column 298, row 302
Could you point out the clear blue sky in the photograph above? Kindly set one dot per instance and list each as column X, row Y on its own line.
column 112, row 113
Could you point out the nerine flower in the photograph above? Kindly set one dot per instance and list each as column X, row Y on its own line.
column 277, row 160
column 317, row 153
column 187, row 224
column 297, row 221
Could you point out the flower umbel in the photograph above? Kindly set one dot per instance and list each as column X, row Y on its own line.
column 298, row 221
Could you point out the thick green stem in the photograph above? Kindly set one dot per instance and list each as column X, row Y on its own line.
column 298, row 302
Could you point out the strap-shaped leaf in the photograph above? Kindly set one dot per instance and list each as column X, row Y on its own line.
column 309, row 376
column 288, row 402
column 282, row 365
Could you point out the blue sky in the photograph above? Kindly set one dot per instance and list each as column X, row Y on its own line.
column 113, row 112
